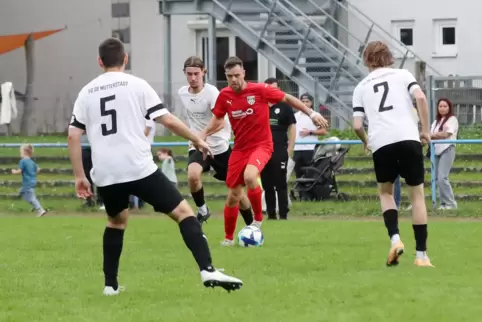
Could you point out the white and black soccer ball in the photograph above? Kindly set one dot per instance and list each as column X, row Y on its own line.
column 250, row 236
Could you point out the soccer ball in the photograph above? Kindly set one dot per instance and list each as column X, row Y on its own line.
column 250, row 236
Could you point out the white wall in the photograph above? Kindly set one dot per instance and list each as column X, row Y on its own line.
column 467, row 13
column 65, row 61
column 147, row 45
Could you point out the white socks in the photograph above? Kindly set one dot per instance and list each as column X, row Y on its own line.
column 421, row 255
column 395, row 239
column 203, row 210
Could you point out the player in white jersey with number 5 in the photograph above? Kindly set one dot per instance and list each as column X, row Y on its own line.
column 198, row 99
column 112, row 109
column 385, row 97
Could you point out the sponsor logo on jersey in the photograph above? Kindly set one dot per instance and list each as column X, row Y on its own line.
column 240, row 114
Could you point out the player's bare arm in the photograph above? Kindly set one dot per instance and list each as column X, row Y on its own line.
column 291, row 139
column 422, row 108
column 214, row 125
column 360, row 131
column 176, row 126
column 75, row 151
column 82, row 185
column 16, row 171
column 217, row 126
column 316, row 117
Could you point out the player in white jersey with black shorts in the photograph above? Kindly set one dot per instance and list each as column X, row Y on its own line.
column 112, row 109
column 198, row 99
column 385, row 97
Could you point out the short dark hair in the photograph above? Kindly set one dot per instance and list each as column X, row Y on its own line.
column 271, row 80
column 233, row 61
column 193, row 61
column 167, row 151
column 112, row 53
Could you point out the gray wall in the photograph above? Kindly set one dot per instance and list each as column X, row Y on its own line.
column 64, row 61
column 423, row 13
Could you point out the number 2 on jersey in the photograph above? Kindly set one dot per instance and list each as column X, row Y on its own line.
column 112, row 113
column 385, row 87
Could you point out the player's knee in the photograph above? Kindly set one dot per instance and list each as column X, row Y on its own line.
column 251, row 176
column 385, row 188
column 194, row 179
column 181, row 212
column 234, row 197
column 119, row 221
column 194, row 174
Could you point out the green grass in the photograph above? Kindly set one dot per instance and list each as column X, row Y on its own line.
column 307, row 270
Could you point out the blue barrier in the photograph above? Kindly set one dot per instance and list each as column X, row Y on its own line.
column 343, row 142
column 164, row 144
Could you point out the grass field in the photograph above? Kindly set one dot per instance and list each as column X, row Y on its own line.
column 307, row 270
column 325, row 264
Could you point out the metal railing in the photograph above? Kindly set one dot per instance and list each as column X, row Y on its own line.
column 465, row 93
column 52, row 113
column 364, row 29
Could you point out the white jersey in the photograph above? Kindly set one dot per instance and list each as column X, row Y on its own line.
column 384, row 96
column 199, row 112
column 113, row 109
column 151, row 125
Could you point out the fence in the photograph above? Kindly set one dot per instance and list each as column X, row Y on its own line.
column 343, row 142
column 52, row 113
column 465, row 93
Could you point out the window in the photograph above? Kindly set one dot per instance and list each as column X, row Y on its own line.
column 448, row 36
column 123, row 35
column 445, row 37
column 403, row 31
column 249, row 56
column 406, row 36
column 120, row 10
column 222, row 53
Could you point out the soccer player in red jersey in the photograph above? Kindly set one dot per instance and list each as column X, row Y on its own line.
column 247, row 107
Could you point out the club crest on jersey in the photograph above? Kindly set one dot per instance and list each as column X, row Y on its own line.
column 251, row 100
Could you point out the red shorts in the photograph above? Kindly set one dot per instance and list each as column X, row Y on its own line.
column 240, row 159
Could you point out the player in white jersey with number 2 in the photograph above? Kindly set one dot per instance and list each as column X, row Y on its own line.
column 385, row 97
column 198, row 99
column 112, row 109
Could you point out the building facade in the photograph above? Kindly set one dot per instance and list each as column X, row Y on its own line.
column 442, row 32
column 64, row 62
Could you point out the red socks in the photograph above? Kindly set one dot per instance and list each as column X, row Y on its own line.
column 254, row 196
column 230, row 219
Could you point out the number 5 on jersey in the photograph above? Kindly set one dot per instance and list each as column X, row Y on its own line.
column 385, row 88
column 112, row 113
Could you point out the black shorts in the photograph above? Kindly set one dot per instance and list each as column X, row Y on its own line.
column 404, row 159
column 218, row 162
column 154, row 189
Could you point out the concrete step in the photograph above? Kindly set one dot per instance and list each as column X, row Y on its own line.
column 182, row 170
column 351, row 197
column 212, row 182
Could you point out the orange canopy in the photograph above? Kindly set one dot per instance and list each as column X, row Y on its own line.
column 12, row 42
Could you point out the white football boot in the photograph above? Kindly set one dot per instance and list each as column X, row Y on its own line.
column 109, row 290
column 227, row 243
column 218, row 279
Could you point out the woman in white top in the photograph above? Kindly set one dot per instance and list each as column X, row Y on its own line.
column 445, row 127
column 306, row 131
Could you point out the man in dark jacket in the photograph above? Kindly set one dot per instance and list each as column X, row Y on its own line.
column 273, row 176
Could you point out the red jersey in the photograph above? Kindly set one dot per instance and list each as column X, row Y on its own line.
column 248, row 113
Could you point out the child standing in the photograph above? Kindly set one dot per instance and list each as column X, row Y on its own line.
column 168, row 166
column 28, row 169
